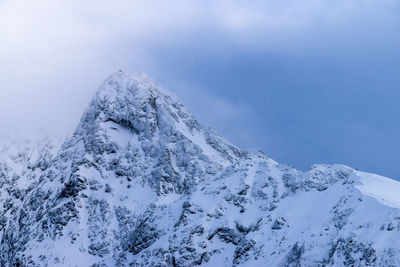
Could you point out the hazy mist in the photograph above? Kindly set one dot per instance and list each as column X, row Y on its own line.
column 306, row 81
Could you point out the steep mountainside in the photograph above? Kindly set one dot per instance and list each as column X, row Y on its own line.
column 142, row 183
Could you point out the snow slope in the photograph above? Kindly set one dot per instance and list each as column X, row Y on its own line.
column 384, row 190
column 142, row 183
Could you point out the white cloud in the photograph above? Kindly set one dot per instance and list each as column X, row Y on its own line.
column 55, row 53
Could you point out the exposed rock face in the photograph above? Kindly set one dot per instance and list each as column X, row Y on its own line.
column 142, row 183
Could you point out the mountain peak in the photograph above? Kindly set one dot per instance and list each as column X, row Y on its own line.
column 120, row 82
column 142, row 183
column 132, row 112
column 130, row 100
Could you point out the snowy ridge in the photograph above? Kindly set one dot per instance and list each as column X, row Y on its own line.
column 383, row 189
column 142, row 183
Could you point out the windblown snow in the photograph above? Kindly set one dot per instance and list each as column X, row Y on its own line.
column 384, row 190
column 142, row 183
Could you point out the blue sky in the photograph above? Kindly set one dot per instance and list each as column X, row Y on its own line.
column 305, row 81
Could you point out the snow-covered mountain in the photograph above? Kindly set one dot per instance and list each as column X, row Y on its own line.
column 142, row 183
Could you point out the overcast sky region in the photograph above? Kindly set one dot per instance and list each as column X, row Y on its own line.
column 307, row 82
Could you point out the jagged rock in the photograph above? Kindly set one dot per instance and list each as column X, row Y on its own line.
column 142, row 183
column 278, row 224
column 293, row 259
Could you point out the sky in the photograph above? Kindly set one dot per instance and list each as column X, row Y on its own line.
column 307, row 82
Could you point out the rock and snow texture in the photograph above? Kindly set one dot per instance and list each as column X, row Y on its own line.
column 142, row 183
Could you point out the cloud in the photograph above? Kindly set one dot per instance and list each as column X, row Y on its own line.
column 275, row 74
column 225, row 116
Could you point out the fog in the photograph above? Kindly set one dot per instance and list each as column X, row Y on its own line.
column 305, row 81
